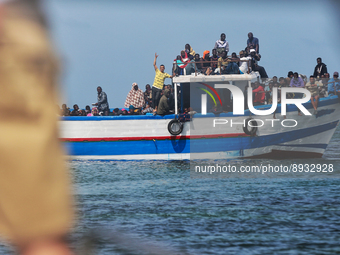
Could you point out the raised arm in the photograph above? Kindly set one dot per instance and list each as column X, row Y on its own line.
column 154, row 62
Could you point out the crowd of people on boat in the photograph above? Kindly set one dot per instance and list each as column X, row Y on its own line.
column 137, row 102
column 219, row 62
column 319, row 85
column 160, row 99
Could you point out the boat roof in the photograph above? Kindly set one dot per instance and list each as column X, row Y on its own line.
column 214, row 78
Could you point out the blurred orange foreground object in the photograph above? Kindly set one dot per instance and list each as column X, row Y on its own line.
column 35, row 189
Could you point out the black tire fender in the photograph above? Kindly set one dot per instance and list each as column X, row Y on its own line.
column 175, row 127
column 250, row 130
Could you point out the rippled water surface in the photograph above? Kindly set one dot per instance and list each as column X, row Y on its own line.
column 158, row 202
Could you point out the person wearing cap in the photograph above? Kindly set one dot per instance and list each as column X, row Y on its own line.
column 254, row 42
column 124, row 112
column 334, row 85
column 255, row 67
column 133, row 110
column 255, row 57
column 206, row 55
column 222, row 45
column 94, row 111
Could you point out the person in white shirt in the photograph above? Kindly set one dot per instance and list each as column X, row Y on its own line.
column 222, row 45
column 243, row 64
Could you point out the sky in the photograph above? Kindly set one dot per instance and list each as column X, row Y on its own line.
column 112, row 44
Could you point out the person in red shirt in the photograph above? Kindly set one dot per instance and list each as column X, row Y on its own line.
column 259, row 94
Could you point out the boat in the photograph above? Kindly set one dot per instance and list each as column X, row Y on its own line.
column 225, row 135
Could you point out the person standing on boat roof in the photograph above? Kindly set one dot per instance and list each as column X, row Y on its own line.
column 222, row 45
column 253, row 41
column 103, row 105
column 320, row 68
column 158, row 82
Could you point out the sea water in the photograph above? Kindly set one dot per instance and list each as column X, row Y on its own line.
column 157, row 204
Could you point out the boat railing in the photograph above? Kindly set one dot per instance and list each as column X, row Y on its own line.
column 213, row 64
